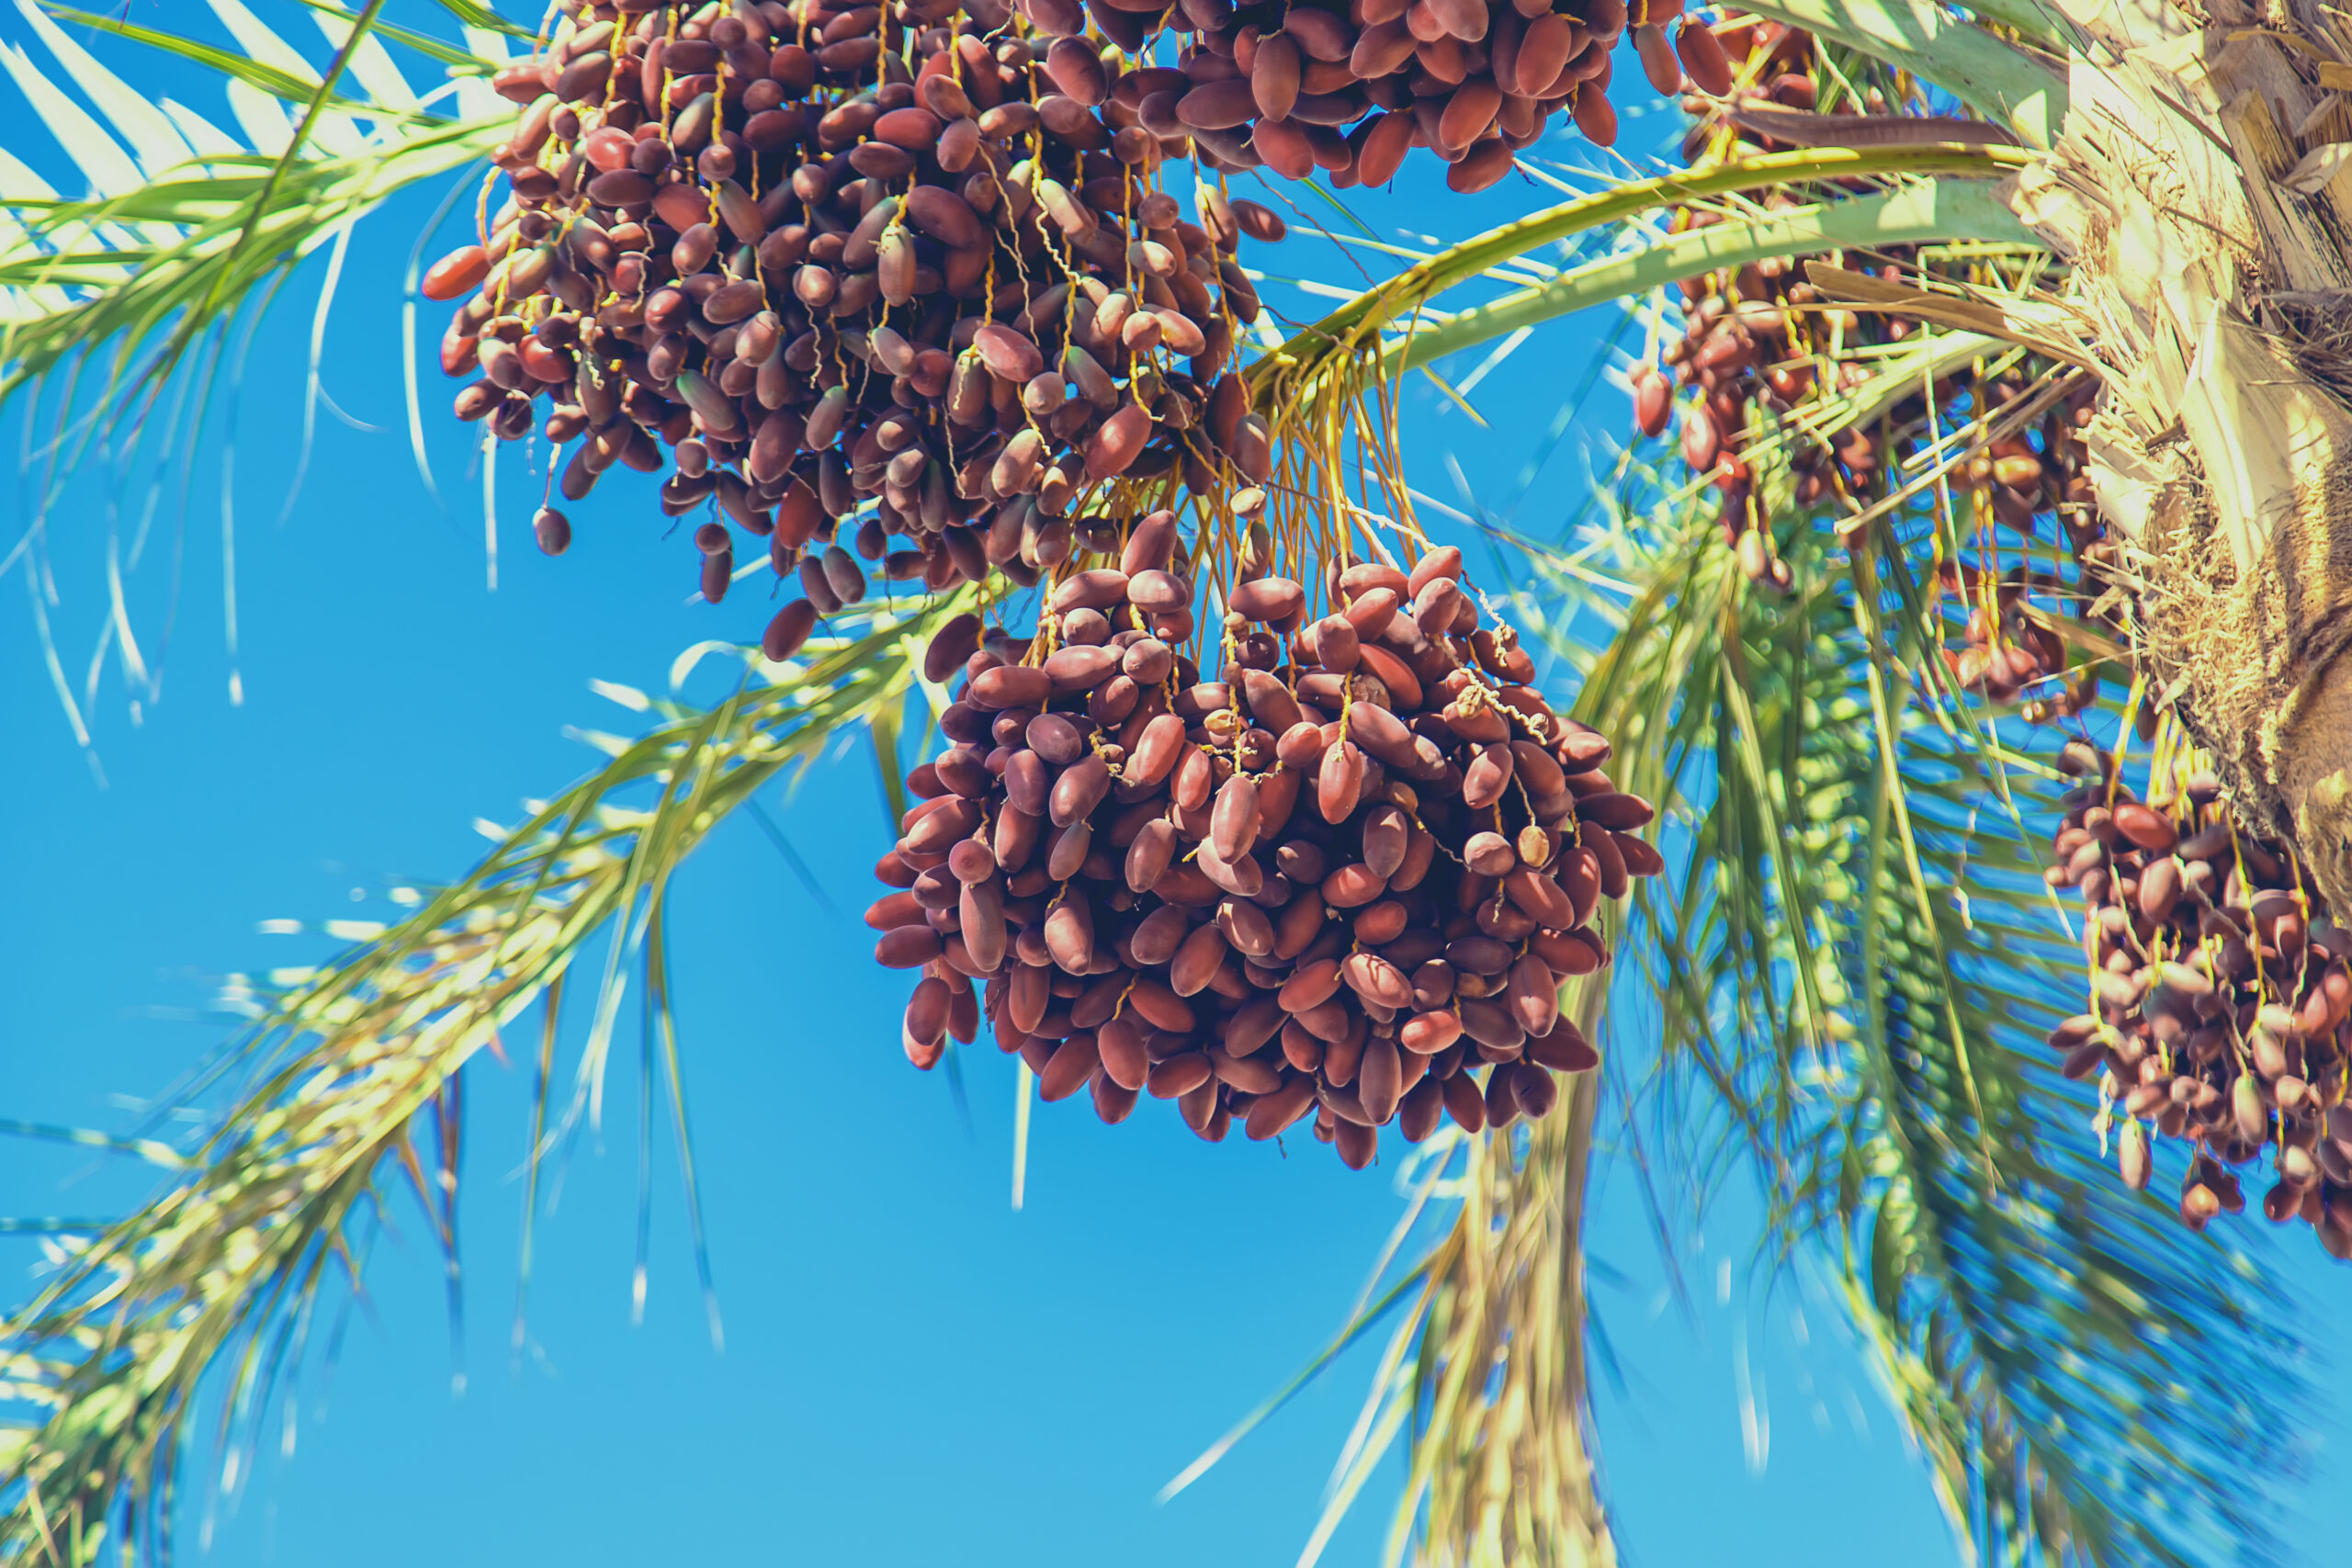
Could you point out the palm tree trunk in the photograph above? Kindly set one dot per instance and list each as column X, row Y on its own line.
column 2203, row 186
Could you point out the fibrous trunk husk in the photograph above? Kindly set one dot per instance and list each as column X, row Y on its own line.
column 2203, row 186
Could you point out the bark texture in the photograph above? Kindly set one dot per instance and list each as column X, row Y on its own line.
column 2202, row 184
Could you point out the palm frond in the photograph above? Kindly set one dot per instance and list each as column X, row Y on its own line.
column 1854, row 972
column 1920, row 212
column 1327, row 391
column 1854, row 961
column 1357, row 332
column 184, row 223
column 206, row 1277
column 125, row 296
column 2044, row 27
column 2023, row 88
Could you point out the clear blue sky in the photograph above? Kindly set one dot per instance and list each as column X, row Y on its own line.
column 912, row 1373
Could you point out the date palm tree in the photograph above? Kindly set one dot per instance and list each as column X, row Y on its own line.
column 1836, row 993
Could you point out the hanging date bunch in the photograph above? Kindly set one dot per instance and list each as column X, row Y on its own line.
column 2035, row 556
column 1343, row 881
column 1762, row 350
column 1349, row 88
column 2220, row 995
column 877, row 285
column 1760, row 337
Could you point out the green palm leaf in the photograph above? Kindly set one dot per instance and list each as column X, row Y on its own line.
column 1363, row 338
column 184, row 223
column 2021, row 87
column 351, row 1059
column 2080, row 1372
column 1852, row 996
column 1916, row 213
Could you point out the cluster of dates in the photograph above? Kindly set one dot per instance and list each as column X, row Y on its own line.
column 1341, row 882
column 1759, row 336
column 848, row 269
column 2219, row 992
column 1760, row 344
column 1350, row 86
column 2009, row 648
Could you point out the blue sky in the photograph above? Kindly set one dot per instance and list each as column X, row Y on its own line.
column 912, row 1372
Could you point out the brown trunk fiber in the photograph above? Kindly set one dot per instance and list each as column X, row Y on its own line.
column 2203, row 186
